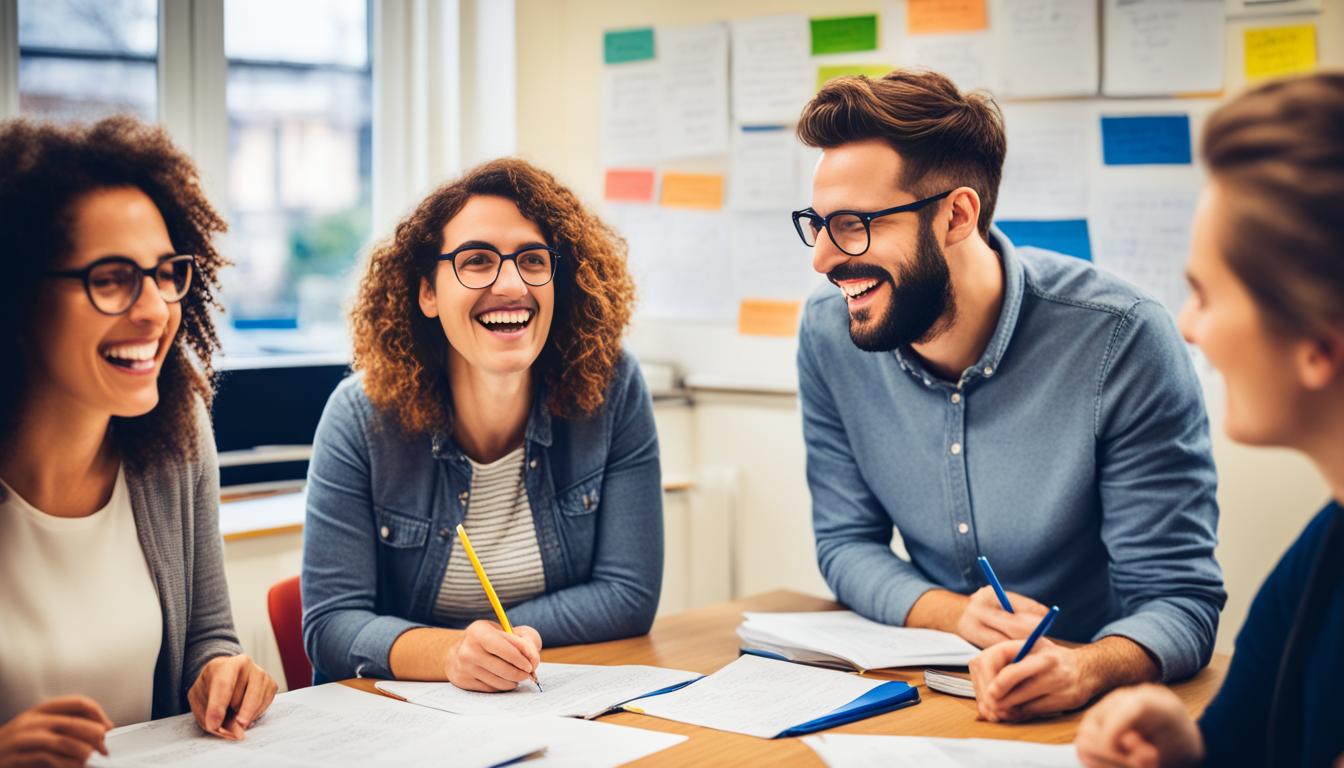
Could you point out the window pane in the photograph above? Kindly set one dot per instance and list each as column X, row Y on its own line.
column 85, row 59
column 300, row 158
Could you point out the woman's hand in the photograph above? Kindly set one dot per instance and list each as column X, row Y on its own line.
column 229, row 695
column 1145, row 726
column 487, row 658
column 59, row 732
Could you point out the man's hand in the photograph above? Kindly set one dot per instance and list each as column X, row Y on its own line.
column 983, row 621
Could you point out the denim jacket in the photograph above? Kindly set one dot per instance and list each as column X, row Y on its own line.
column 383, row 507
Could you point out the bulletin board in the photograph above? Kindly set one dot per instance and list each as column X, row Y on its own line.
column 677, row 121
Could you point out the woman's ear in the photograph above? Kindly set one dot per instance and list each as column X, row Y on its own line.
column 1320, row 360
column 965, row 215
column 429, row 302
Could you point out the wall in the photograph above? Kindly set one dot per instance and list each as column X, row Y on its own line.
column 1266, row 496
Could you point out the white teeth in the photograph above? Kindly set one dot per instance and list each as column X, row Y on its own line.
column 511, row 317
column 133, row 351
column 854, row 289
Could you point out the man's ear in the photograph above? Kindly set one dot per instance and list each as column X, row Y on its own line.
column 429, row 302
column 963, row 215
column 1320, row 360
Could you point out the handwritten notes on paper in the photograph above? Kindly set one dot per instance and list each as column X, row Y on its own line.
column 936, row 17
column 1046, row 48
column 1280, row 51
column 1161, row 47
column 764, row 170
column 771, row 72
column 1045, row 172
column 1145, row 140
column 1144, row 237
column 630, row 128
column 693, row 100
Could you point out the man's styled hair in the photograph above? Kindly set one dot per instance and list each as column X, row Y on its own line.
column 945, row 138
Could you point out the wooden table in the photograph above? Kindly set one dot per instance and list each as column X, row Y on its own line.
column 703, row 640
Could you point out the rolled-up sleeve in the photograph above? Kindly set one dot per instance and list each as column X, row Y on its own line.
column 1157, row 489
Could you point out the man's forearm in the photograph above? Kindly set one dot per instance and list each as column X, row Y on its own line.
column 1116, row 661
column 937, row 609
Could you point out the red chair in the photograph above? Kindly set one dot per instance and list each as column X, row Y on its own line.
column 285, row 604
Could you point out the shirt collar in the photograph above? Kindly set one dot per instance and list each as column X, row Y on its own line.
column 1014, row 285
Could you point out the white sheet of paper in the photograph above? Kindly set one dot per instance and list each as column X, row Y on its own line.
column 868, row 644
column 764, row 170
column 693, row 102
column 966, row 58
column 1160, row 47
column 854, row 751
column 771, row 69
column 769, row 261
column 630, row 114
column 1144, row 236
column 1046, row 48
column 572, row 743
column 322, row 726
column 570, row 690
column 1046, row 173
column 759, row 697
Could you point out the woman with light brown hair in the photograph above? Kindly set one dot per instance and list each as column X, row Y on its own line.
column 492, row 391
column 1266, row 271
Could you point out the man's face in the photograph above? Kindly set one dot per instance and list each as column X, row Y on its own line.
column 899, row 291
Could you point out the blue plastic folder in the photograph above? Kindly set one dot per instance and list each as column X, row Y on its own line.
column 887, row 697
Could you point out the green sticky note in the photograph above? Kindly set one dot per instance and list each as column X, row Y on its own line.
column 844, row 34
column 828, row 73
column 625, row 45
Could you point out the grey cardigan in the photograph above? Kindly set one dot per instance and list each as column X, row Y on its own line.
column 176, row 508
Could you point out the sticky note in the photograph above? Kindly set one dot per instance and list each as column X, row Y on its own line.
column 1277, row 51
column 1146, row 140
column 693, row 190
column 620, row 46
column 844, row 34
column 628, row 185
column 1068, row 236
column 830, row 72
column 768, row 317
column 938, row 17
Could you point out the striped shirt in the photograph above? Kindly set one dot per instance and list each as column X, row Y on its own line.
column 499, row 522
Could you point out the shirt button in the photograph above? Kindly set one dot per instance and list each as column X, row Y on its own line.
column 989, row 371
column 385, row 532
column 956, row 398
column 956, row 449
column 928, row 383
column 444, row 533
column 463, row 496
column 532, row 464
column 963, row 528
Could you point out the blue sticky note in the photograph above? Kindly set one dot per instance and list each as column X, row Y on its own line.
column 1067, row 236
column 1146, row 140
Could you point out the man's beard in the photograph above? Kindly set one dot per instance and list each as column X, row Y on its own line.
column 921, row 305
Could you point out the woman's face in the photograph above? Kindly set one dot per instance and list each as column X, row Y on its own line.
column 107, row 365
column 500, row 329
column 1268, row 402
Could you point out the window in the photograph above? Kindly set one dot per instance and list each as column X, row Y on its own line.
column 299, row 169
column 86, row 59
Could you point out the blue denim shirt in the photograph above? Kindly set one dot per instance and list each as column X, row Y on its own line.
column 1075, row 455
column 383, row 508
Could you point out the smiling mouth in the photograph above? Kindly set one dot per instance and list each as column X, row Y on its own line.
column 506, row 321
column 139, row 356
column 859, row 289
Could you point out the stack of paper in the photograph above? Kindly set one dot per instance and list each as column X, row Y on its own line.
column 946, row 682
column 571, row 690
column 846, row 640
column 848, row 751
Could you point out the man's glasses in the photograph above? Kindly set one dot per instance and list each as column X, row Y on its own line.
column 114, row 283
column 851, row 231
column 477, row 265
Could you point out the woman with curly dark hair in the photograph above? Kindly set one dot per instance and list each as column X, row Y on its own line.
column 492, row 392
column 114, row 600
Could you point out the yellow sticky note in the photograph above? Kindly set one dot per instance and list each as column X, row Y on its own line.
column 768, row 317
column 830, row 72
column 693, row 190
column 1277, row 51
column 938, row 17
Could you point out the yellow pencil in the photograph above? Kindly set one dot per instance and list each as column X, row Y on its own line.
column 489, row 590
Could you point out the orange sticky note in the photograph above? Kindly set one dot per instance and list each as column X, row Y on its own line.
column 938, row 17
column 628, row 185
column 768, row 317
column 693, row 190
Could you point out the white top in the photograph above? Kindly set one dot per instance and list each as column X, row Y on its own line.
column 499, row 522
column 81, row 613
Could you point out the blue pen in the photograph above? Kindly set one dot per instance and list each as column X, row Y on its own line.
column 1036, row 633
column 994, row 582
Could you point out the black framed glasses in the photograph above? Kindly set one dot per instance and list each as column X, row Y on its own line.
column 851, row 231
column 477, row 265
column 114, row 283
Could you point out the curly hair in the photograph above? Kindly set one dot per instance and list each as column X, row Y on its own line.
column 404, row 354
column 45, row 170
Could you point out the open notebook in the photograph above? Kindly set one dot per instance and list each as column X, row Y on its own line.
column 846, row 640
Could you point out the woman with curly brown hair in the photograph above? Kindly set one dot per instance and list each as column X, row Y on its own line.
column 114, row 599
column 492, row 392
